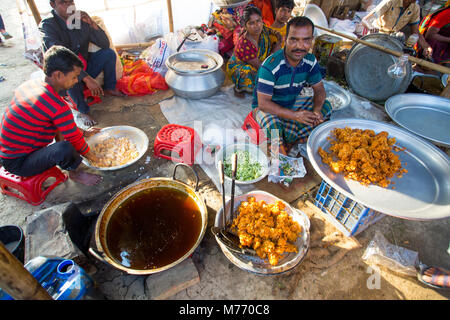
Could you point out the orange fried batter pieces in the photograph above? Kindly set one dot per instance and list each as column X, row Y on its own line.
column 267, row 228
column 363, row 156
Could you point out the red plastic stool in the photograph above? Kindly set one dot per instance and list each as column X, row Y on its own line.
column 30, row 188
column 182, row 143
column 253, row 130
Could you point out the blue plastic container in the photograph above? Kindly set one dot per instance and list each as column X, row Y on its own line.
column 349, row 216
column 62, row 278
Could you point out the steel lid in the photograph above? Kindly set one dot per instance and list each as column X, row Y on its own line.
column 366, row 69
column 194, row 61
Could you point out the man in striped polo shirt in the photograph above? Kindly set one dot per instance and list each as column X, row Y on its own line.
column 37, row 115
column 281, row 77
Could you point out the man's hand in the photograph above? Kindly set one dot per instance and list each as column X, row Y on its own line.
column 86, row 18
column 306, row 117
column 319, row 118
column 91, row 157
column 93, row 85
column 90, row 132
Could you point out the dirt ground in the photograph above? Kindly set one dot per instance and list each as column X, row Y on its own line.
column 332, row 269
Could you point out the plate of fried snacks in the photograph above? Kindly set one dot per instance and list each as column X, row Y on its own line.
column 383, row 167
column 277, row 232
column 117, row 147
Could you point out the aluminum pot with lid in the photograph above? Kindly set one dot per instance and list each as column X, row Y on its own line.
column 195, row 73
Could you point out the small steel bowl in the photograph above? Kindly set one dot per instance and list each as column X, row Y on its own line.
column 256, row 154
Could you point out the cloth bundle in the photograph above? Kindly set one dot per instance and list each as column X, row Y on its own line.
column 139, row 79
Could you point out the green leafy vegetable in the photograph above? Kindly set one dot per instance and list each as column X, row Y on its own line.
column 246, row 168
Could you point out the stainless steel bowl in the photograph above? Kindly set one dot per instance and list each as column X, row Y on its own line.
column 136, row 136
column 336, row 92
column 256, row 155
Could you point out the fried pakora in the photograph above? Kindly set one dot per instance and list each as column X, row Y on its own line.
column 267, row 228
column 363, row 155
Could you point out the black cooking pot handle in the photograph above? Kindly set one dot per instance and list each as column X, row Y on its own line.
column 193, row 170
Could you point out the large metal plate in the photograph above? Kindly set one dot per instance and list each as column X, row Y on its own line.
column 366, row 69
column 423, row 193
column 423, row 114
column 255, row 264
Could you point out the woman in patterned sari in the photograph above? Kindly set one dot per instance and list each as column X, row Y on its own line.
column 253, row 46
column 434, row 38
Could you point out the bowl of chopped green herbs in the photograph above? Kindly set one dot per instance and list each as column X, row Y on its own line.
column 252, row 163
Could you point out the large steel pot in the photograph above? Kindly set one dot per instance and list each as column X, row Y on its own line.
column 102, row 252
column 195, row 74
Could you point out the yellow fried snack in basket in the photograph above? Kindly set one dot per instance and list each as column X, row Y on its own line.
column 114, row 152
column 267, row 228
column 363, row 155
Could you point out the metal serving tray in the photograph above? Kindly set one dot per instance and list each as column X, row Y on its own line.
column 426, row 115
column 423, row 193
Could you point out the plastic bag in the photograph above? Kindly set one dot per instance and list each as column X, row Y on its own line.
column 33, row 40
column 157, row 54
column 285, row 169
column 398, row 259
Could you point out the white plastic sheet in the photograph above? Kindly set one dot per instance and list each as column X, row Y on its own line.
column 218, row 120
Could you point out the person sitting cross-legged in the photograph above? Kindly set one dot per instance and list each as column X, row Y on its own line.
column 75, row 30
column 37, row 115
column 255, row 43
column 277, row 102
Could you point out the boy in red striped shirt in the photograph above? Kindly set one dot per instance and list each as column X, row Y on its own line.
column 37, row 115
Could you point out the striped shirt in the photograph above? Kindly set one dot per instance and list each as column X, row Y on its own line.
column 32, row 119
column 277, row 78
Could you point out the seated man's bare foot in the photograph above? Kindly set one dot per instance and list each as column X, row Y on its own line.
column 115, row 93
column 86, row 120
column 85, row 178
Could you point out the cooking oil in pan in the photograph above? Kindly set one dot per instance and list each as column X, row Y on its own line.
column 153, row 228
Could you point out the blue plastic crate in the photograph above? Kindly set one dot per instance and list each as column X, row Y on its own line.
column 347, row 215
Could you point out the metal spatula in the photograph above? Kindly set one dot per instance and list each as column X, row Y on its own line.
column 224, row 235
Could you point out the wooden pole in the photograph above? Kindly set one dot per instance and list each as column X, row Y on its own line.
column 17, row 281
column 35, row 11
column 169, row 11
column 134, row 45
column 421, row 62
